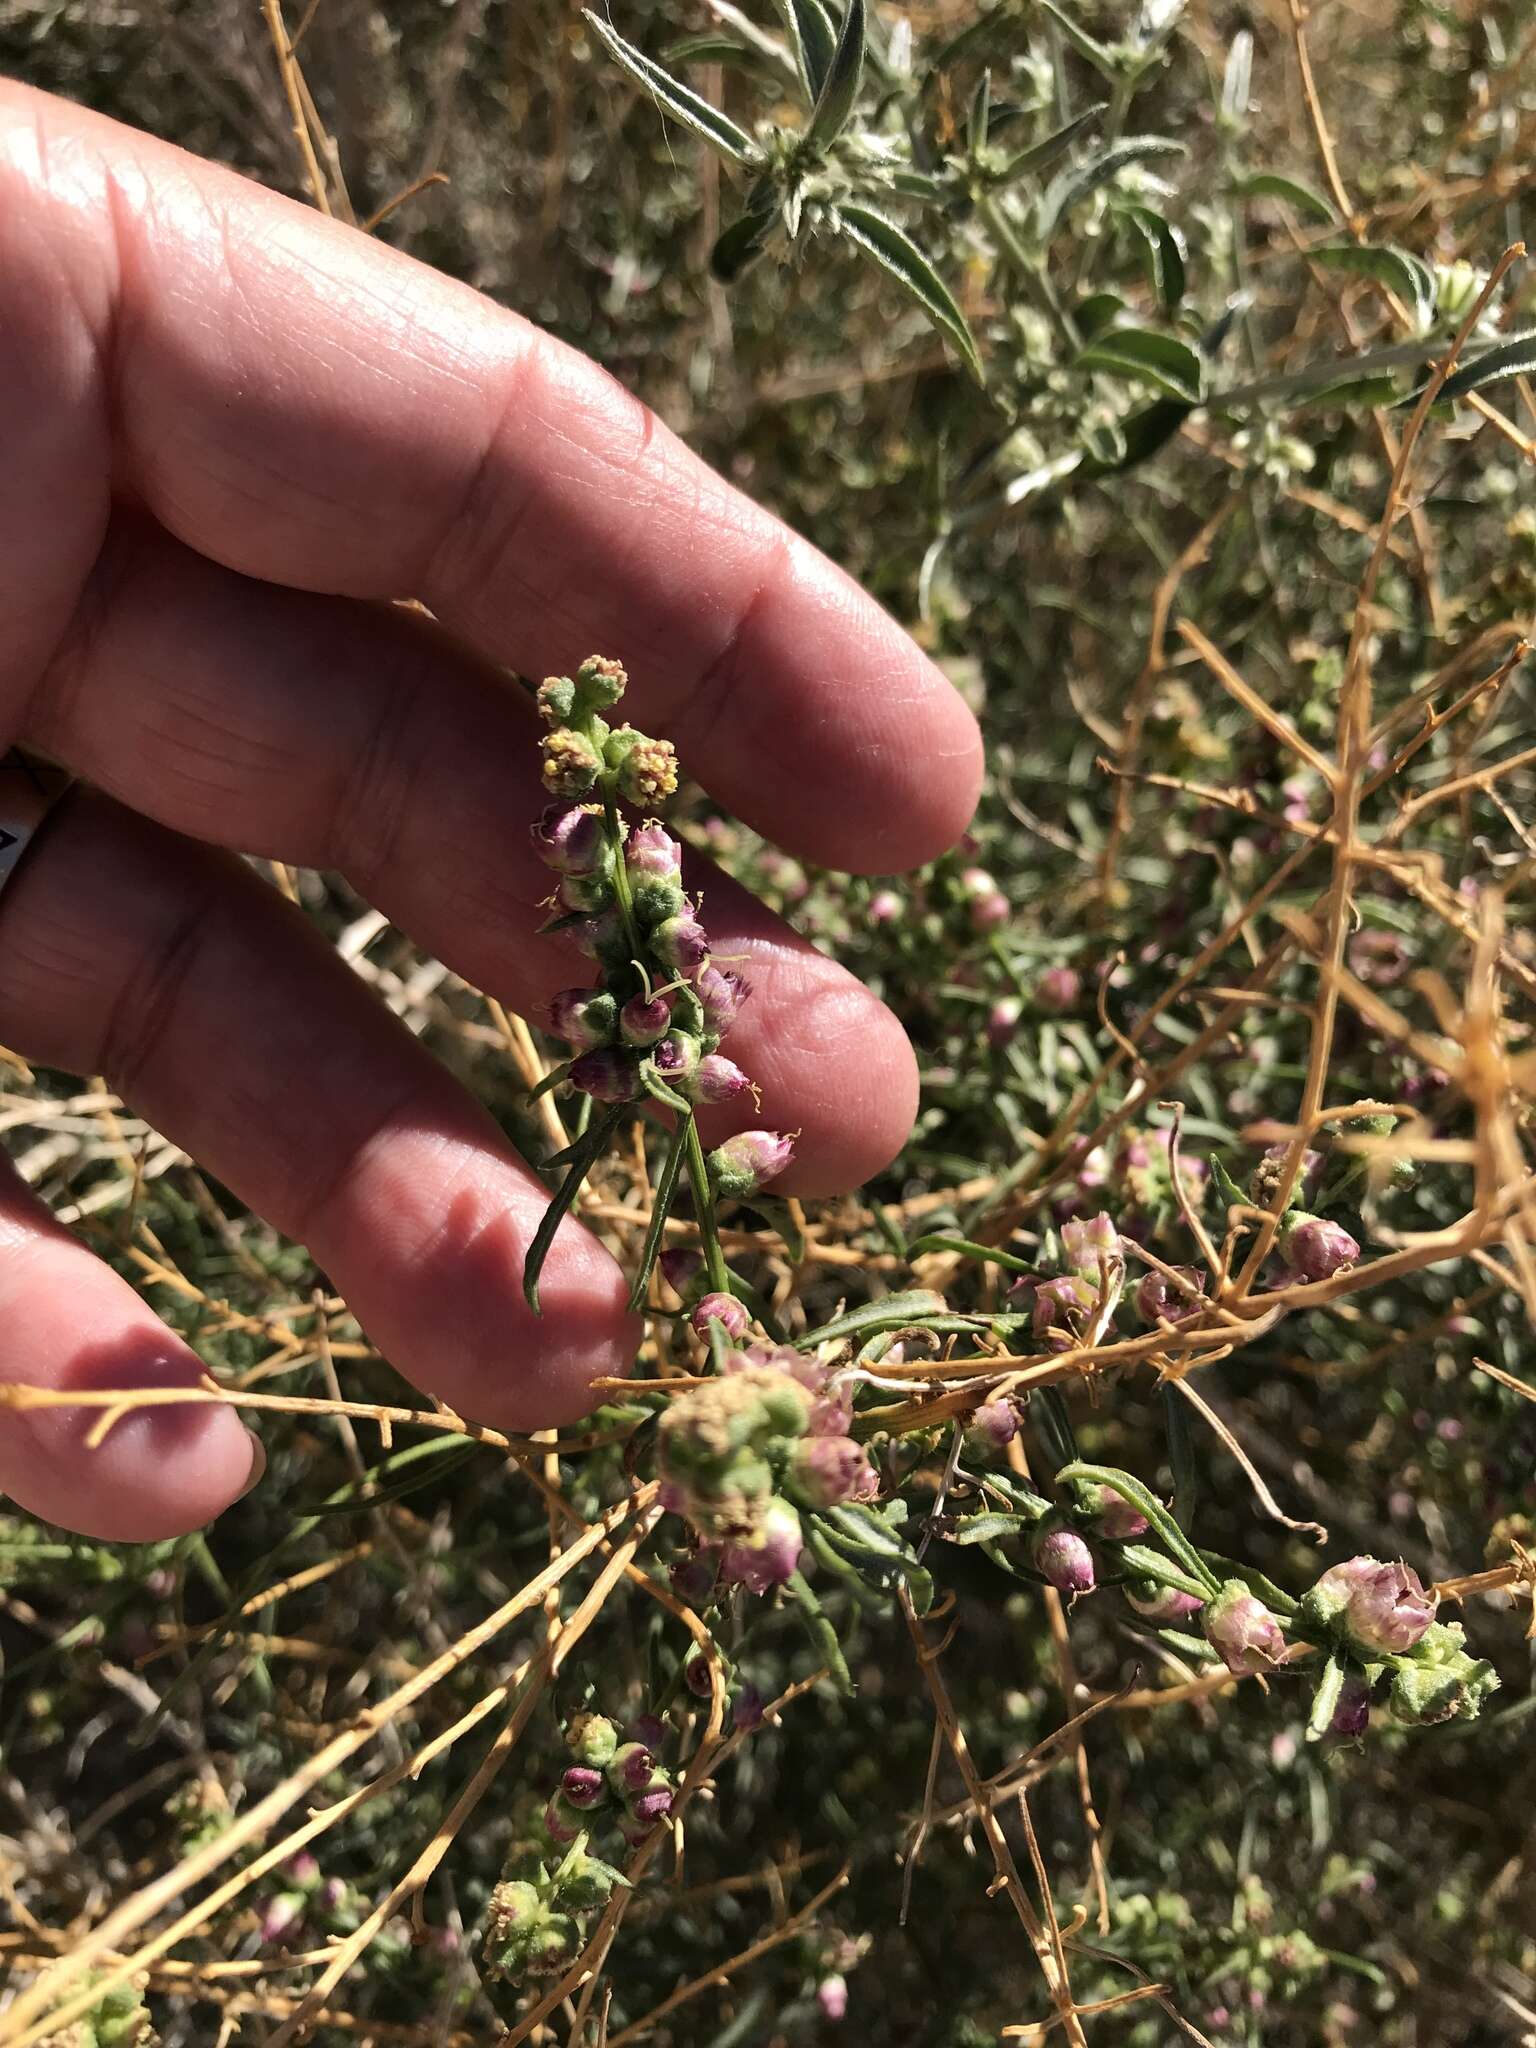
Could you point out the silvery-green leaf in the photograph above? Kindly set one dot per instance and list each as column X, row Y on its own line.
column 741, row 244
column 715, row 47
column 919, row 185
column 1170, row 365
column 1099, row 55
column 582, row 1156
column 1099, row 310
column 675, row 98
column 1069, row 186
column 1398, row 270
column 1045, row 152
column 840, row 87
column 814, row 39
column 898, row 256
column 980, row 116
column 1514, row 357
column 1165, row 253
column 1269, row 185
column 1237, row 79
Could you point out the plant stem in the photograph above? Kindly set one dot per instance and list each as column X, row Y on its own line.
column 704, row 1203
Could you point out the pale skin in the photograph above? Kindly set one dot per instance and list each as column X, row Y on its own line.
column 234, row 435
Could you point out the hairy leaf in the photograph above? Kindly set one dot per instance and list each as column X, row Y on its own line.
column 889, row 247
column 1304, row 198
column 1068, row 187
column 674, row 97
column 814, row 38
column 840, row 87
column 1399, row 271
column 1169, row 365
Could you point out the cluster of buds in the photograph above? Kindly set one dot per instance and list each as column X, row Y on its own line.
column 309, row 1907
column 118, row 2019
column 1380, row 1616
column 537, row 1924
column 742, row 1455
column 621, row 1777
column 654, row 1022
column 1137, row 1178
column 1068, row 1309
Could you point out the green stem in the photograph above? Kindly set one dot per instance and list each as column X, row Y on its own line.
column 704, row 1203
column 621, row 875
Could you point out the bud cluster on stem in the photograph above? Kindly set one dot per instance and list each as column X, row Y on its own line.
column 653, row 1024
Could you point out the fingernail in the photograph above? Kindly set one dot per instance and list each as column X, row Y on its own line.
column 258, row 1465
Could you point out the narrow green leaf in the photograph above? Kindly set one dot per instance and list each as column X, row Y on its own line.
column 1163, row 1525
column 1053, row 1422
column 979, row 119
column 1068, row 187
column 1303, row 198
column 889, row 247
column 1140, row 1561
column 893, row 1312
column 661, row 1203
column 778, row 1215
column 1099, row 55
column 1182, row 1460
column 815, row 40
column 1515, row 357
column 987, row 1528
column 919, row 185
column 1165, row 253
column 1169, row 365
column 674, row 97
column 936, row 1241
column 581, row 1155
column 840, row 87
column 1396, row 269
column 820, row 1630
column 1040, row 155
column 742, row 244
column 718, row 48
column 1325, row 1699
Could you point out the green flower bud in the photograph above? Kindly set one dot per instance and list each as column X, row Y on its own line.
column 592, row 1740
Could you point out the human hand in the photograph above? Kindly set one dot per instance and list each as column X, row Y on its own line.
column 234, row 433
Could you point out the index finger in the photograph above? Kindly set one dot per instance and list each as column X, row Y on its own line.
column 311, row 407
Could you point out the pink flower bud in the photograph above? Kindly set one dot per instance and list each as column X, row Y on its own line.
column 1315, row 1249
column 1242, row 1631
column 680, row 1267
column 1062, row 1307
column 832, row 1997
column 676, row 1056
column 1003, row 1021
column 680, row 942
column 771, row 1556
column 1381, row 1607
column 1165, row 1605
column 642, row 1022
column 748, row 1161
column 607, row 1075
column 584, row 893
column 719, row 1080
column 725, row 1310
column 651, row 850
column 562, row 1820
column 571, row 840
column 993, row 1427
column 885, row 907
column 1064, row 1560
column 747, row 1709
column 1159, row 1300
column 1352, row 1713
column 1112, row 1514
column 722, row 992
column 583, row 1017
column 280, row 1915
column 304, row 1870
column 583, row 1786
column 653, row 1806
column 1090, row 1245
column 1058, row 988
column 825, row 1471
column 631, row 1768
column 990, row 911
